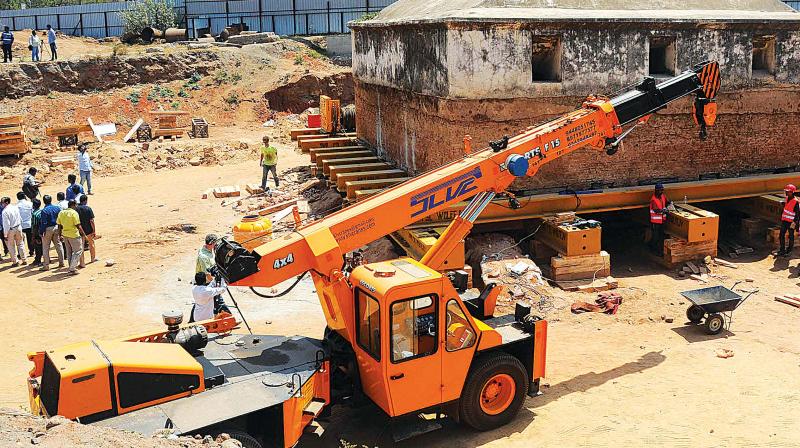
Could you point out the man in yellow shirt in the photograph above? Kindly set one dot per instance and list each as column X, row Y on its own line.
column 69, row 226
column 269, row 162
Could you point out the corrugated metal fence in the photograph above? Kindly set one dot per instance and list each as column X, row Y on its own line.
column 793, row 4
column 284, row 17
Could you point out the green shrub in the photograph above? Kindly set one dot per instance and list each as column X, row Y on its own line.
column 157, row 14
column 298, row 59
column 232, row 98
column 134, row 97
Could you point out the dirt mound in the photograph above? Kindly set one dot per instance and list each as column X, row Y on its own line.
column 23, row 429
column 299, row 95
column 380, row 250
column 27, row 79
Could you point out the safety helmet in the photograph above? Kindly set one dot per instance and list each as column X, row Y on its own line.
column 790, row 188
column 659, row 186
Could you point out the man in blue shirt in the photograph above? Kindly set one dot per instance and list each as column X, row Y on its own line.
column 47, row 228
column 7, row 38
column 51, row 39
column 70, row 194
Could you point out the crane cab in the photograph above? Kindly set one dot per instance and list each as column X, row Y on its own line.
column 418, row 347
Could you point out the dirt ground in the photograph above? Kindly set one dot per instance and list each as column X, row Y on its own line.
column 69, row 47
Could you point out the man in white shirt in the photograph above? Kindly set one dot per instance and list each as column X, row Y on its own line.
column 63, row 203
column 204, row 298
column 85, row 167
column 12, row 228
column 34, row 43
column 26, row 214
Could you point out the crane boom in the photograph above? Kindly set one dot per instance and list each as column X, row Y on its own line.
column 321, row 245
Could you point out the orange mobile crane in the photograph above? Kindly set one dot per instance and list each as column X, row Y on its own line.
column 398, row 332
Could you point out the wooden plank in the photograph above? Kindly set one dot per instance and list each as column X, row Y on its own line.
column 169, row 132
column 253, row 189
column 294, row 133
column 342, row 180
column 363, row 194
column 227, row 192
column 12, row 137
column 316, row 152
column 341, row 169
column 132, row 132
column 581, row 266
column 277, row 217
column 280, row 206
column 303, row 138
column 328, row 164
column 11, row 120
column 788, row 301
column 65, row 131
column 354, row 186
column 678, row 250
column 342, row 155
column 327, row 142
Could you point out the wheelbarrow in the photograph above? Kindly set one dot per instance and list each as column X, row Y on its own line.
column 715, row 305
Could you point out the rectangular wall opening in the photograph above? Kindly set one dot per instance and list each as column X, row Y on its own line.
column 546, row 59
column 662, row 56
column 763, row 56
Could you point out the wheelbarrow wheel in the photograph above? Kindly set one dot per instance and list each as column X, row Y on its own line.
column 695, row 314
column 714, row 324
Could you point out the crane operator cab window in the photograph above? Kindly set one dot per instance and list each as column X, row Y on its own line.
column 414, row 329
column 460, row 334
column 369, row 324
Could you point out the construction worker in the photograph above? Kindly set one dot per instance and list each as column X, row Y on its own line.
column 269, row 163
column 7, row 38
column 207, row 294
column 205, row 256
column 790, row 219
column 658, row 218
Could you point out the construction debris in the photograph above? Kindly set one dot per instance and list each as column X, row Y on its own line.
column 606, row 303
column 12, row 136
column 789, row 299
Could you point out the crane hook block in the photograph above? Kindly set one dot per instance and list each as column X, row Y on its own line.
column 517, row 165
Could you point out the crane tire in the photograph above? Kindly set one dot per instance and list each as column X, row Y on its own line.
column 244, row 438
column 494, row 392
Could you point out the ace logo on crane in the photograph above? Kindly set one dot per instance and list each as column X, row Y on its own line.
column 445, row 192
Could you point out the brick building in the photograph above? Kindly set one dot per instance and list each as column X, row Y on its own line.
column 430, row 71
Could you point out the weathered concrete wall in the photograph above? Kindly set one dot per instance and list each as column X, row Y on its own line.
column 758, row 130
column 421, row 88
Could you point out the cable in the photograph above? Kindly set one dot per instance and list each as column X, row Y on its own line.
column 239, row 309
column 497, row 254
column 268, row 296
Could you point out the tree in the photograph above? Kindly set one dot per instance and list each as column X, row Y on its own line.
column 156, row 14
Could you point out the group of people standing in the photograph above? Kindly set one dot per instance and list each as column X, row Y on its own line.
column 35, row 44
column 31, row 226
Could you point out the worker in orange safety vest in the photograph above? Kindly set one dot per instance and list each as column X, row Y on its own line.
column 790, row 219
column 658, row 219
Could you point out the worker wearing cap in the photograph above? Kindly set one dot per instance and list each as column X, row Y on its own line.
column 658, row 218
column 790, row 219
column 205, row 257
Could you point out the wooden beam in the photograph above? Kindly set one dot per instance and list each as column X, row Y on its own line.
column 342, row 155
column 66, row 131
column 581, row 266
column 343, row 178
column 303, row 138
column 341, row 169
column 327, row 142
column 317, row 151
column 364, row 194
column 354, row 186
column 330, row 163
column 294, row 133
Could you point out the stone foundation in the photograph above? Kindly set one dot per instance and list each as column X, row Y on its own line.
column 758, row 130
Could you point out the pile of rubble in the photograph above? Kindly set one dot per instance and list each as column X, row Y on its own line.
column 19, row 428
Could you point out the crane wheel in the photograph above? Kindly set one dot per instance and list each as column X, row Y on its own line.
column 244, row 438
column 495, row 390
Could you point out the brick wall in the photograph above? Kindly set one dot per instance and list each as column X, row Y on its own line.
column 758, row 129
